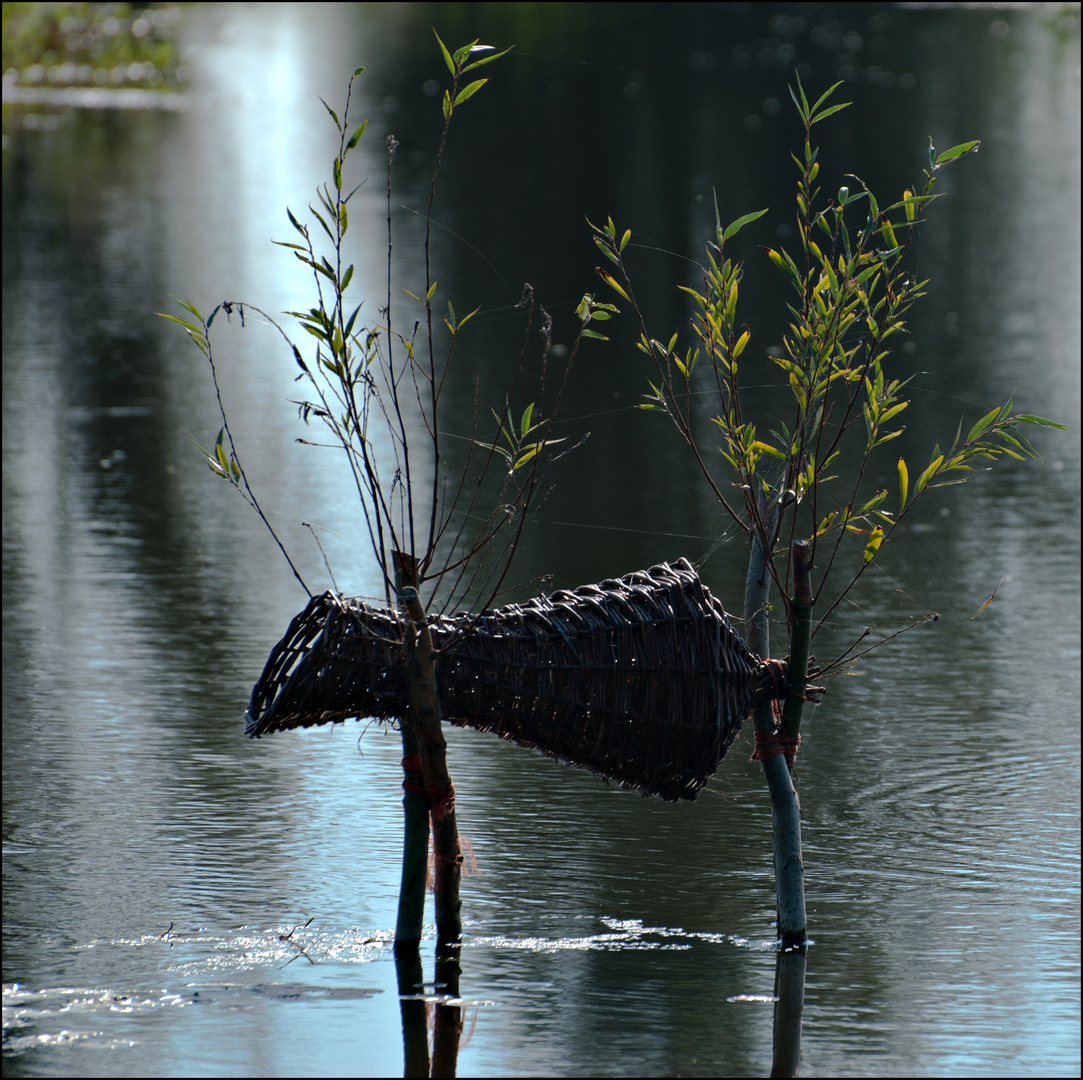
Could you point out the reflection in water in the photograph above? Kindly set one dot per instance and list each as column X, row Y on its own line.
column 448, row 1024
column 415, row 1028
column 790, row 1003
column 939, row 790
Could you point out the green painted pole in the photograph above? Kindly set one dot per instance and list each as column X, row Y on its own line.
column 415, row 851
column 785, row 807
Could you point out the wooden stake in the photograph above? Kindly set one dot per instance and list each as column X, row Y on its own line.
column 423, row 722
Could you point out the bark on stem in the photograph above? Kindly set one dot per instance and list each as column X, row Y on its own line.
column 800, row 634
column 423, row 721
column 415, row 839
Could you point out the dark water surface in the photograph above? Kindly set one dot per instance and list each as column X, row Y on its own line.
column 160, row 871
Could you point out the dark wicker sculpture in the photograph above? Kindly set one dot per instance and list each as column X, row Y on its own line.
column 641, row 680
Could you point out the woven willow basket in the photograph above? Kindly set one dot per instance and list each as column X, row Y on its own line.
column 642, row 680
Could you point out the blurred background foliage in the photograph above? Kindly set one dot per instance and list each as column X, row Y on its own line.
column 103, row 45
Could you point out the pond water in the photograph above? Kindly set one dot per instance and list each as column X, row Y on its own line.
column 178, row 900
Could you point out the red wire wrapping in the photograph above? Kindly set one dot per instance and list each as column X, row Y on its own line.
column 413, row 779
column 440, row 803
column 411, row 768
column 440, row 808
column 772, row 743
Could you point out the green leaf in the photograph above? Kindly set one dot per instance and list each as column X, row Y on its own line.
column 447, row 56
column 828, row 112
column 802, row 105
column 739, row 347
column 982, row 424
column 904, row 481
column 187, row 325
column 220, row 454
column 875, row 501
column 734, row 227
column 767, row 448
column 524, row 424
column 1027, row 418
column 487, row 59
column 613, row 284
column 928, row 473
column 593, row 334
column 296, row 224
column 346, row 278
column 524, row 457
column 188, row 306
column 447, row 105
column 957, row 151
column 606, row 250
column 777, row 259
column 338, row 174
column 625, row 238
column 469, row 91
column 319, row 218
column 825, row 95
column 459, row 55
column 873, row 546
column 356, row 137
column 352, row 318
column 332, row 112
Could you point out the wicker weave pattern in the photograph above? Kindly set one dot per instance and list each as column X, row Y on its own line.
column 641, row 680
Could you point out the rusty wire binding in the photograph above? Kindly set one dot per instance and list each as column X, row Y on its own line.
column 642, row 680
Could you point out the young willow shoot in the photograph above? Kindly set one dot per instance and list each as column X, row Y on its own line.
column 851, row 293
column 373, row 384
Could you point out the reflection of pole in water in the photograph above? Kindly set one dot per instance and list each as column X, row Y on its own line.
column 415, row 1034
column 414, row 1006
column 789, row 1005
column 448, row 1025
